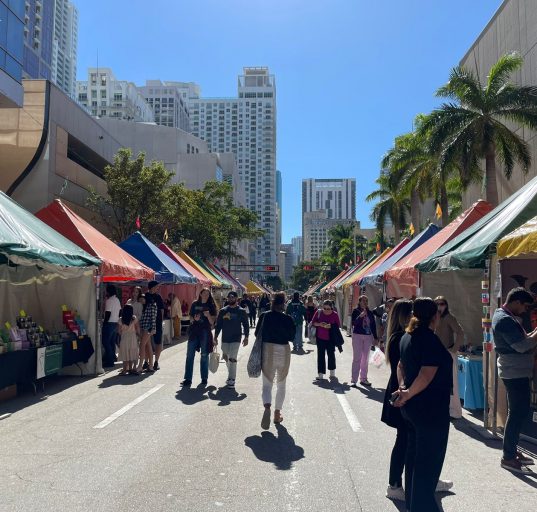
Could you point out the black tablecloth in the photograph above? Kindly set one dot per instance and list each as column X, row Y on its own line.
column 20, row 367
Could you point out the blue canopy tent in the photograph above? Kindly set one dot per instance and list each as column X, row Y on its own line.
column 374, row 282
column 166, row 269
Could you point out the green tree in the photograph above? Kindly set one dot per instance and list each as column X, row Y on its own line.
column 134, row 190
column 303, row 279
column 477, row 120
column 392, row 203
column 276, row 283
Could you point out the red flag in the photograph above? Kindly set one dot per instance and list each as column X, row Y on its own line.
column 138, row 222
column 378, row 246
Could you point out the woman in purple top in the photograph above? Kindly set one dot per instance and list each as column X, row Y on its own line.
column 322, row 320
column 364, row 334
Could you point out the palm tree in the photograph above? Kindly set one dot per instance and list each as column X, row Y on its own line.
column 392, row 204
column 475, row 122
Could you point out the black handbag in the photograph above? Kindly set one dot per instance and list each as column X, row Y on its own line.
column 336, row 338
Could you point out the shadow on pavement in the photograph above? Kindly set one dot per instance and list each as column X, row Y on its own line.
column 192, row 396
column 372, row 393
column 332, row 385
column 225, row 396
column 279, row 450
column 301, row 352
column 122, row 380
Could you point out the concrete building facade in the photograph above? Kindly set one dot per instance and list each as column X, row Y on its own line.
column 168, row 103
column 512, row 28
column 103, row 95
column 287, row 262
column 38, row 37
column 316, row 226
column 246, row 126
column 296, row 242
column 64, row 46
column 12, row 16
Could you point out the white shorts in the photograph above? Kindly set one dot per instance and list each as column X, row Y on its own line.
column 231, row 350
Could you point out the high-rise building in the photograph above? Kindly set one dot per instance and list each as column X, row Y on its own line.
column 246, row 126
column 326, row 203
column 12, row 15
column 64, row 46
column 279, row 207
column 287, row 262
column 38, row 36
column 103, row 95
column 169, row 103
column 296, row 242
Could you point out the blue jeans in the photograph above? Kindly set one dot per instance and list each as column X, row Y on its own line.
column 198, row 340
column 109, row 343
column 297, row 342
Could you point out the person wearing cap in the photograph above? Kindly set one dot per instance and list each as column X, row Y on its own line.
column 232, row 322
column 153, row 288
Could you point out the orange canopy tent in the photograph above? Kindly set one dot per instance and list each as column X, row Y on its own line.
column 185, row 264
column 403, row 279
column 117, row 265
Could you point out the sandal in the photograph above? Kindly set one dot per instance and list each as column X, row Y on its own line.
column 278, row 419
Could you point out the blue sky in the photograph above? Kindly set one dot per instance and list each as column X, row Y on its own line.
column 350, row 74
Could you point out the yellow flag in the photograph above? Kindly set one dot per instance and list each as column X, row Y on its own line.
column 378, row 247
column 411, row 229
column 166, row 235
column 438, row 211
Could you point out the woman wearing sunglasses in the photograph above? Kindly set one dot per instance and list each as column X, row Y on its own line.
column 451, row 335
column 323, row 320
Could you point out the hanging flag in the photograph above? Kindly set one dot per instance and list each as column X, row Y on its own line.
column 138, row 222
column 411, row 229
column 166, row 235
column 438, row 211
column 378, row 246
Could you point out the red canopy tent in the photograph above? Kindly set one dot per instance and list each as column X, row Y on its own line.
column 403, row 279
column 117, row 265
column 187, row 266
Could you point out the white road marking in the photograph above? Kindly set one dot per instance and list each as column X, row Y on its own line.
column 351, row 417
column 129, row 406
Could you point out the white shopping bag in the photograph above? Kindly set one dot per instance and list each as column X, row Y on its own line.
column 376, row 358
column 214, row 361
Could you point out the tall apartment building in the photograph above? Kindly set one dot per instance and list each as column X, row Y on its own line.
column 64, row 46
column 296, row 242
column 38, row 36
column 104, row 96
column 169, row 103
column 246, row 126
column 12, row 16
column 287, row 262
column 325, row 204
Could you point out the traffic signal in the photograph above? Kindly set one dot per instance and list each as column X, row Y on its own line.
column 308, row 268
column 270, row 268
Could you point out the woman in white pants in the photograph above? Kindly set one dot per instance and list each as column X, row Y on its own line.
column 452, row 337
column 278, row 329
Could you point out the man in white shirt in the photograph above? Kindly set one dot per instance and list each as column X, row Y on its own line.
column 112, row 310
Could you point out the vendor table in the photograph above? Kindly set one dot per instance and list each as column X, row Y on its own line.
column 470, row 375
column 20, row 367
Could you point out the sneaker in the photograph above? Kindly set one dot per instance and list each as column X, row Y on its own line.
column 444, row 485
column 231, row 384
column 524, row 459
column 395, row 493
column 145, row 366
column 365, row 383
column 320, row 376
column 515, row 466
column 265, row 420
column 353, row 383
column 156, row 366
column 186, row 383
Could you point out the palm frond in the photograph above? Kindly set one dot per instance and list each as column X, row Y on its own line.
column 510, row 148
column 501, row 71
column 464, row 86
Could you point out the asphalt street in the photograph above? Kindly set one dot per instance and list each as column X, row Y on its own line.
column 140, row 443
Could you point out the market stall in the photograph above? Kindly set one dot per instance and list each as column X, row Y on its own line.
column 47, row 298
column 402, row 280
column 373, row 281
column 517, row 255
column 469, row 263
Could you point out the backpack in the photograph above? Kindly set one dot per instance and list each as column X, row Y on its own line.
column 296, row 314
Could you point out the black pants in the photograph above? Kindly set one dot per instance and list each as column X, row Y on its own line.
column 252, row 319
column 397, row 460
column 428, row 434
column 518, row 401
column 328, row 348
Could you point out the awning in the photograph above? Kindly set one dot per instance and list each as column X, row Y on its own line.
column 166, row 270
column 474, row 246
column 359, row 270
column 253, row 288
column 333, row 280
column 403, row 279
column 377, row 275
column 222, row 280
column 231, row 278
column 202, row 279
column 26, row 240
column 117, row 265
column 200, row 268
column 519, row 243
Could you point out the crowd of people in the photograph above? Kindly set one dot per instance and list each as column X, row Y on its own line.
column 420, row 339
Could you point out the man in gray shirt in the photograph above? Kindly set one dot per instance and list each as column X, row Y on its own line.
column 515, row 349
column 231, row 321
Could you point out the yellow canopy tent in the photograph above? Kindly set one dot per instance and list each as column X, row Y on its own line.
column 253, row 288
column 360, row 271
column 199, row 268
column 519, row 243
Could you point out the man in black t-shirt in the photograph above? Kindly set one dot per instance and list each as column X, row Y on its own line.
column 153, row 289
